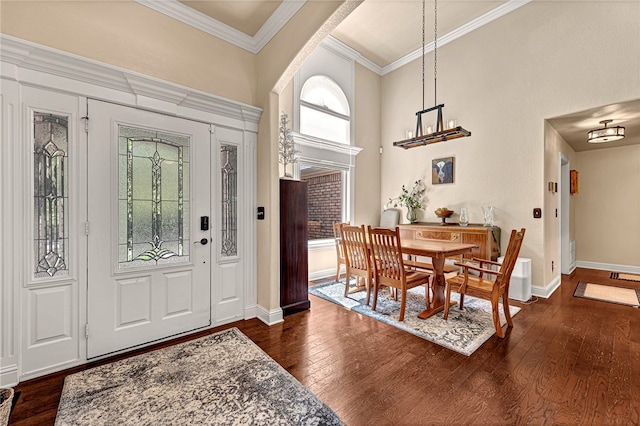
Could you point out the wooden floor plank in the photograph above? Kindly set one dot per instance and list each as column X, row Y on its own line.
column 566, row 361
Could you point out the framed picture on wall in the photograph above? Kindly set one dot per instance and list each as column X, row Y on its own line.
column 442, row 170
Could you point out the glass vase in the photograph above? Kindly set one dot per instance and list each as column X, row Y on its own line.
column 412, row 215
column 464, row 217
column 487, row 212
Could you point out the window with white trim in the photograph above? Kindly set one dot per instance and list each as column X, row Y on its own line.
column 324, row 110
column 324, row 113
column 324, row 133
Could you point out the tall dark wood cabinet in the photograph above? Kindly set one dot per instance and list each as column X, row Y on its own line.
column 294, row 265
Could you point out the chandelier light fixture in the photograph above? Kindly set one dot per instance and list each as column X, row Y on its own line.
column 439, row 134
column 606, row 134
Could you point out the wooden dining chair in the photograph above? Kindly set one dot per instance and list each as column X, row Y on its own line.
column 358, row 259
column 337, row 235
column 389, row 268
column 490, row 284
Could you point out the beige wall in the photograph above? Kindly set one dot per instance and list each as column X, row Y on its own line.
column 277, row 63
column 367, row 121
column 608, row 206
column 131, row 36
column 501, row 82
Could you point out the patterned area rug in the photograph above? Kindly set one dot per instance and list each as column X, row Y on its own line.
column 221, row 379
column 464, row 331
column 625, row 277
column 608, row 293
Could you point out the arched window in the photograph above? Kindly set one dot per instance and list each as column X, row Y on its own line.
column 326, row 156
column 324, row 132
column 324, row 110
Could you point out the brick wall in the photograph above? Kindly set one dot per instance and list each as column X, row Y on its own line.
column 324, row 204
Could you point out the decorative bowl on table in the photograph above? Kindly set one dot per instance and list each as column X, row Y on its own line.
column 443, row 213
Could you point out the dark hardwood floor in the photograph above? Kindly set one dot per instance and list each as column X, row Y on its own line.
column 566, row 361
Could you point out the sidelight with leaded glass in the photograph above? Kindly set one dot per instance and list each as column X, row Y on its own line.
column 50, row 195
column 229, row 191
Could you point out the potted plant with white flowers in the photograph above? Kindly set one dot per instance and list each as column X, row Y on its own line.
column 411, row 199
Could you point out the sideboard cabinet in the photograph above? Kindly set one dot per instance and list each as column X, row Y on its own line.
column 486, row 238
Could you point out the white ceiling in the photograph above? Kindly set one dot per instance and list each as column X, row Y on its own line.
column 574, row 127
column 386, row 34
column 386, row 30
column 247, row 16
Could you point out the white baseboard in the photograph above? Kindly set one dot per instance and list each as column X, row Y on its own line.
column 270, row 317
column 548, row 290
column 608, row 267
column 9, row 376
column 325, row 273
column 251, row 312
column 53, row 369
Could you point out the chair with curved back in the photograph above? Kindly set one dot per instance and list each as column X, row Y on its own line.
column 337, row 234
column 358, row 259
column 484, row 287
column 389, row 268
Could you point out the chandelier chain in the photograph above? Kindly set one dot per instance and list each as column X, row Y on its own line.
column 435, row 52
column 423, row 20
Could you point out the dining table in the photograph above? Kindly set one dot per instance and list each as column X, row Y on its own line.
column 438, row 251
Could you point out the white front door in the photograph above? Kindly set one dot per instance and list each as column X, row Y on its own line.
column 149, row 186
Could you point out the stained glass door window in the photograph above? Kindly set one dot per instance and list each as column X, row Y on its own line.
column 50, row 193
column 229, row 191
column 153, row 197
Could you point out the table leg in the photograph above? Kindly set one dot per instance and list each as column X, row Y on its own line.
column 438, row 289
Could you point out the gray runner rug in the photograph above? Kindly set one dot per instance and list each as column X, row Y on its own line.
column 464, row 331
column 221, row 379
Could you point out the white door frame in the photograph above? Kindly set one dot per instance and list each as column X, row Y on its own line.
column 30, row 64
column 564, row 222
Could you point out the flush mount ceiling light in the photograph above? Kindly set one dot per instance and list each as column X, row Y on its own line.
column 606, row 134
column 440, row 134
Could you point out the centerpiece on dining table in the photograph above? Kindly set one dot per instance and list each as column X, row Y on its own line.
column 412, row 200
column 443, row 213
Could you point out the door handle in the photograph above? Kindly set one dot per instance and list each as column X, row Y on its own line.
column 203, row 241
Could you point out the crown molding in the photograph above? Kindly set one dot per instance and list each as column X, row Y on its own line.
column 343, row 50
column 279, row 18
column 480, row 21
column 196, row 19
column 38, row 65
column 288, row 8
